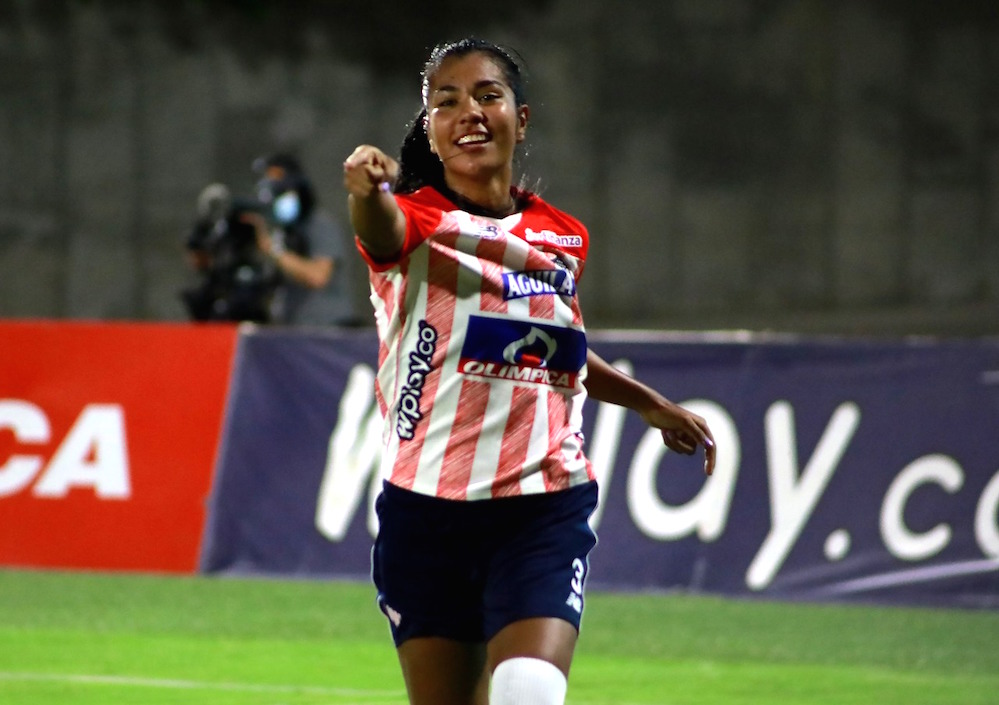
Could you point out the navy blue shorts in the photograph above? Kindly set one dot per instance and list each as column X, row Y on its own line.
column 464, row 570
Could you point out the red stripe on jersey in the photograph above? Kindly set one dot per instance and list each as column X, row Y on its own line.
column 380, row 398
column 459, row 455
column 513, row 450
column 442, row 279
column 401, row 295
column 382, row 289
column 577, row 314
column 543, row 307
column 392, row 293
column 490, row 254
column 553, row 467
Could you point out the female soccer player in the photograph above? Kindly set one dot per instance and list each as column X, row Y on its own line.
column 483, row 368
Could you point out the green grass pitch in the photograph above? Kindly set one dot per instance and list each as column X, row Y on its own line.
column 95, row 639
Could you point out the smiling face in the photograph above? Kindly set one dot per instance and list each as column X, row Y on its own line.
column 473, row 121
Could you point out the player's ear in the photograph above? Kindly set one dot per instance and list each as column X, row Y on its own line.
column 426, row 131
column 523, row 115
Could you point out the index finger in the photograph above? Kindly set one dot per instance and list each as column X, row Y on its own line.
column 708, row 441
column 709, row 458
column 362, row 155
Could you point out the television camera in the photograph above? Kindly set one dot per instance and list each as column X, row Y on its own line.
column 237, row 282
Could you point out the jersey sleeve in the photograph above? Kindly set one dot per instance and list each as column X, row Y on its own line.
column 422, row 220
column 556, row 232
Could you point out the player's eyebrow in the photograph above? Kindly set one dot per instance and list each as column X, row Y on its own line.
column 484, row 83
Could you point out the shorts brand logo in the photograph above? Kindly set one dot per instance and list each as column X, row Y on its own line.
column 393, row 615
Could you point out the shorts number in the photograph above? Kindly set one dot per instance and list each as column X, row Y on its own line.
column 579, row 571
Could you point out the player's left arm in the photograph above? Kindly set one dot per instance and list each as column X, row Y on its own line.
column 682, row 430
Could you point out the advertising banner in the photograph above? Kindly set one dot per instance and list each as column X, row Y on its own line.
column 294, row 397
column 108, row 437
column 847, row 470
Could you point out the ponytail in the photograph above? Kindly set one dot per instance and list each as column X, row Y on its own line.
column 418, row 166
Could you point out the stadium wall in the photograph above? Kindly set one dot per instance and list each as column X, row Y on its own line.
column 827, row 166
column 847, row 469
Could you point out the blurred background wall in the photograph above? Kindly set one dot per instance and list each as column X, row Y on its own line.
column 823, row 166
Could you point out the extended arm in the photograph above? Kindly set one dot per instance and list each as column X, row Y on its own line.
column 682, row 430
column 377, row 219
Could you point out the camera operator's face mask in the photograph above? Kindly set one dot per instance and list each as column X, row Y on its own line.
column 287, row 207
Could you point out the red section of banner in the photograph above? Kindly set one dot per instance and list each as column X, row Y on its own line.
column 108, row 434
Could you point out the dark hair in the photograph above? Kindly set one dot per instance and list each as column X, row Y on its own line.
column 418, row 166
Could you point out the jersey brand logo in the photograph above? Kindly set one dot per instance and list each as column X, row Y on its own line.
column 537, row 282
column 420, row 365
column 552, row 238
column 522, row 351
column 489, row 231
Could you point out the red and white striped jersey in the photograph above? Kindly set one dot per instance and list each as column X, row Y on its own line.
column 482, row 351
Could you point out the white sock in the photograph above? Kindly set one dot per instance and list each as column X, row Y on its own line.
column 527, row 681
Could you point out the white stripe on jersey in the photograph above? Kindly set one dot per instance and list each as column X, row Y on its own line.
column 487, row 455
column 534, row 482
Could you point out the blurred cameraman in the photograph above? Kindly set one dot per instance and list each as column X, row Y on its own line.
column 277, row 258
column 304, row 244
column 236, row 282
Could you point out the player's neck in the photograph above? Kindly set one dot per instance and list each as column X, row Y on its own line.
column 494, row 199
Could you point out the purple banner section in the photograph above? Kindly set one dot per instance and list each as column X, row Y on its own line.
column 847, row 470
